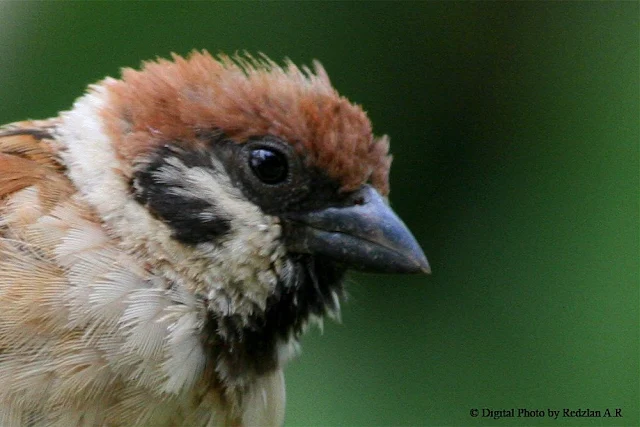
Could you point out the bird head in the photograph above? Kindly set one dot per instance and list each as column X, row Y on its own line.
column 250, row 186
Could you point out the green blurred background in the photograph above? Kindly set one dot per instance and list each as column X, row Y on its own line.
column 515, row 133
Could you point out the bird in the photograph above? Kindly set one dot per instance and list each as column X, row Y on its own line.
column 165, row 242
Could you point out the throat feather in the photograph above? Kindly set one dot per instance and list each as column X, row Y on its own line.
column 246, row 347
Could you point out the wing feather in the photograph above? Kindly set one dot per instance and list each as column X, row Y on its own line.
column 28, row 158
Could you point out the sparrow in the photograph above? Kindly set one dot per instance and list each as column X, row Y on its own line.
column 166, row 241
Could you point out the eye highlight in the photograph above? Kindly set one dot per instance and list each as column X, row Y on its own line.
column 269, row 165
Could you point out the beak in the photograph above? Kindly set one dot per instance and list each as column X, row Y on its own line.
column 367, row 235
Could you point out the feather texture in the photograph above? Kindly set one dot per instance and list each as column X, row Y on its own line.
column 164, row 243
column 83, row 324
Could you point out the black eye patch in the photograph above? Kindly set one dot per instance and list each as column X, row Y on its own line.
column 271, row 174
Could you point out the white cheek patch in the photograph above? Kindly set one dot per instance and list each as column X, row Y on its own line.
column 252, row 249
column 214, row 187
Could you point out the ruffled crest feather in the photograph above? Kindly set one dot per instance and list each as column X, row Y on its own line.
column 244, row 96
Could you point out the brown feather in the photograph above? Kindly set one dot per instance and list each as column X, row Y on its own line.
column 245, row 97
column 26, row 159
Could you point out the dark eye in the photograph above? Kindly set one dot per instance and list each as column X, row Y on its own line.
column 270, row 166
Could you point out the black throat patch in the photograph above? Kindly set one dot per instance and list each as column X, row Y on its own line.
column 251, row 349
